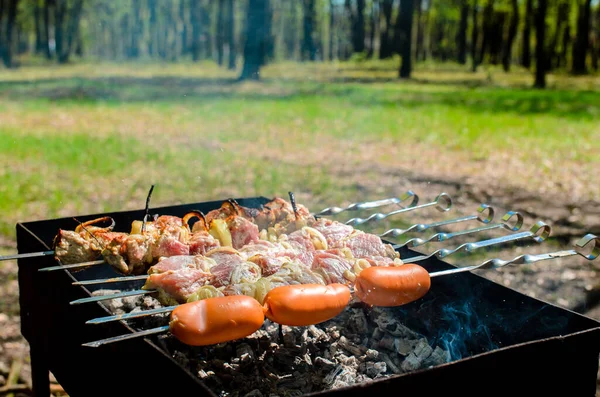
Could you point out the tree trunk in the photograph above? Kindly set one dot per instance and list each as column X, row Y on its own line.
column 461, row 39
column 580, row 47
column 256, row 38
column 512, row 33
column 526, row 46
column 39, row 27
column 72, row 31
column 385, row 50
column 60, row 9
column 308, row 49
column 358, row 25
column 137, row 30
column 331, row 28
column 47, row 50
column 195, row 19
column 487, row 29
column 419, row 39
column 562, row 20
column 596, row 43
column 406, row 18
column 230, row 34
column 220, row 34
column 540, row 38
column 372, row 30
column 474, row 37
column 8, row 44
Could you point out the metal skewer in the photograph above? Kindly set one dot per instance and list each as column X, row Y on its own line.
column 489, row 264
column 538, row 232
column 438, row 237
column 367, row 205
column 442, row 202
column 420, row 227
column 528, row 259
column 125, row 294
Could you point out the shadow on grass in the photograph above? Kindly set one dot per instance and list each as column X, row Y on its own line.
column 472, row 94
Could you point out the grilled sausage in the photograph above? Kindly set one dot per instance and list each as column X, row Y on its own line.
column 216, row 320
column 392, row 285
column 305, row 304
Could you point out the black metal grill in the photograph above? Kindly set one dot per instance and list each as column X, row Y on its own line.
column 511, row 344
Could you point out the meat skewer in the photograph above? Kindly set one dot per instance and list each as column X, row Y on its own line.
column 539, row 232
column 327, row 211
column 514, row 226
column 376, row 286
column 230, row 226
column 420, row 227
column 442, row 203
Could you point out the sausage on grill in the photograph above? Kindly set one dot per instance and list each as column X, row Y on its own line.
column 392, row 285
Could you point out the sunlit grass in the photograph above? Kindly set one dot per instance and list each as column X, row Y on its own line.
column 91, row 138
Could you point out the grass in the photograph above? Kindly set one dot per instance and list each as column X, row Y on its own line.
column 92, row 138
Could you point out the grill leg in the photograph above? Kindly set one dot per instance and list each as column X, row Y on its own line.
column 40, row 373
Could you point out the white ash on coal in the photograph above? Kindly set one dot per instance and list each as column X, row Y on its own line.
column 360, row 345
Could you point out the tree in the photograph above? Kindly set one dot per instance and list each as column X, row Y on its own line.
column 580, row 47
column 385, row 48
column 230, row 34
column 474, row 37
column 406, row 18
column 357, row 18
column 540, row 38
column 257, row 37
column 512, row 33
column 9, row 29
column 220, row 35
column 526, row 46
column 461, row 39
column 308, row 50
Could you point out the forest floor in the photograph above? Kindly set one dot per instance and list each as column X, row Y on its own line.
column 88, row 138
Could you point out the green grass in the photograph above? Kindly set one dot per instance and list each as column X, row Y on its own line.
column 92, row 138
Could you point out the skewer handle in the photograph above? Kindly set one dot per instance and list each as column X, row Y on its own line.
column 28, row 255
column 152, row 331
column 367, row 205
column 528, row 259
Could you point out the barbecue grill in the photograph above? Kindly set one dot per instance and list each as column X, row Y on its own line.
column 510, row 343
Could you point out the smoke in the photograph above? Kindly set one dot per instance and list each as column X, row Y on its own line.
column 464, row 328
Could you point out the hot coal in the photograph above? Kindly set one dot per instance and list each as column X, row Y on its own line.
column 360, row 345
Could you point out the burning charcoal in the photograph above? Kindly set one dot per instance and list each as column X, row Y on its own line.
column 387, row 342
column 439, row 356
column 386, row 322
column 404, row 346
column 416, row 358
column 131, row 302
column 345, row 378
column 351, row 348
column 349, row 361
column 372, row 354
column 423, row 350
column 318, row 334
column 254, row 393
column 377, row 334
column 150, row 303
column 324, row 363
column 358, row 322
column 244, row 353
column 289, row 339
column 372, row 369
column 411, row 363
column 390, row 364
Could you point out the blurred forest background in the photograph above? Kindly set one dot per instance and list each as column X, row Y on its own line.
column 544, row 35
column 339, row 101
